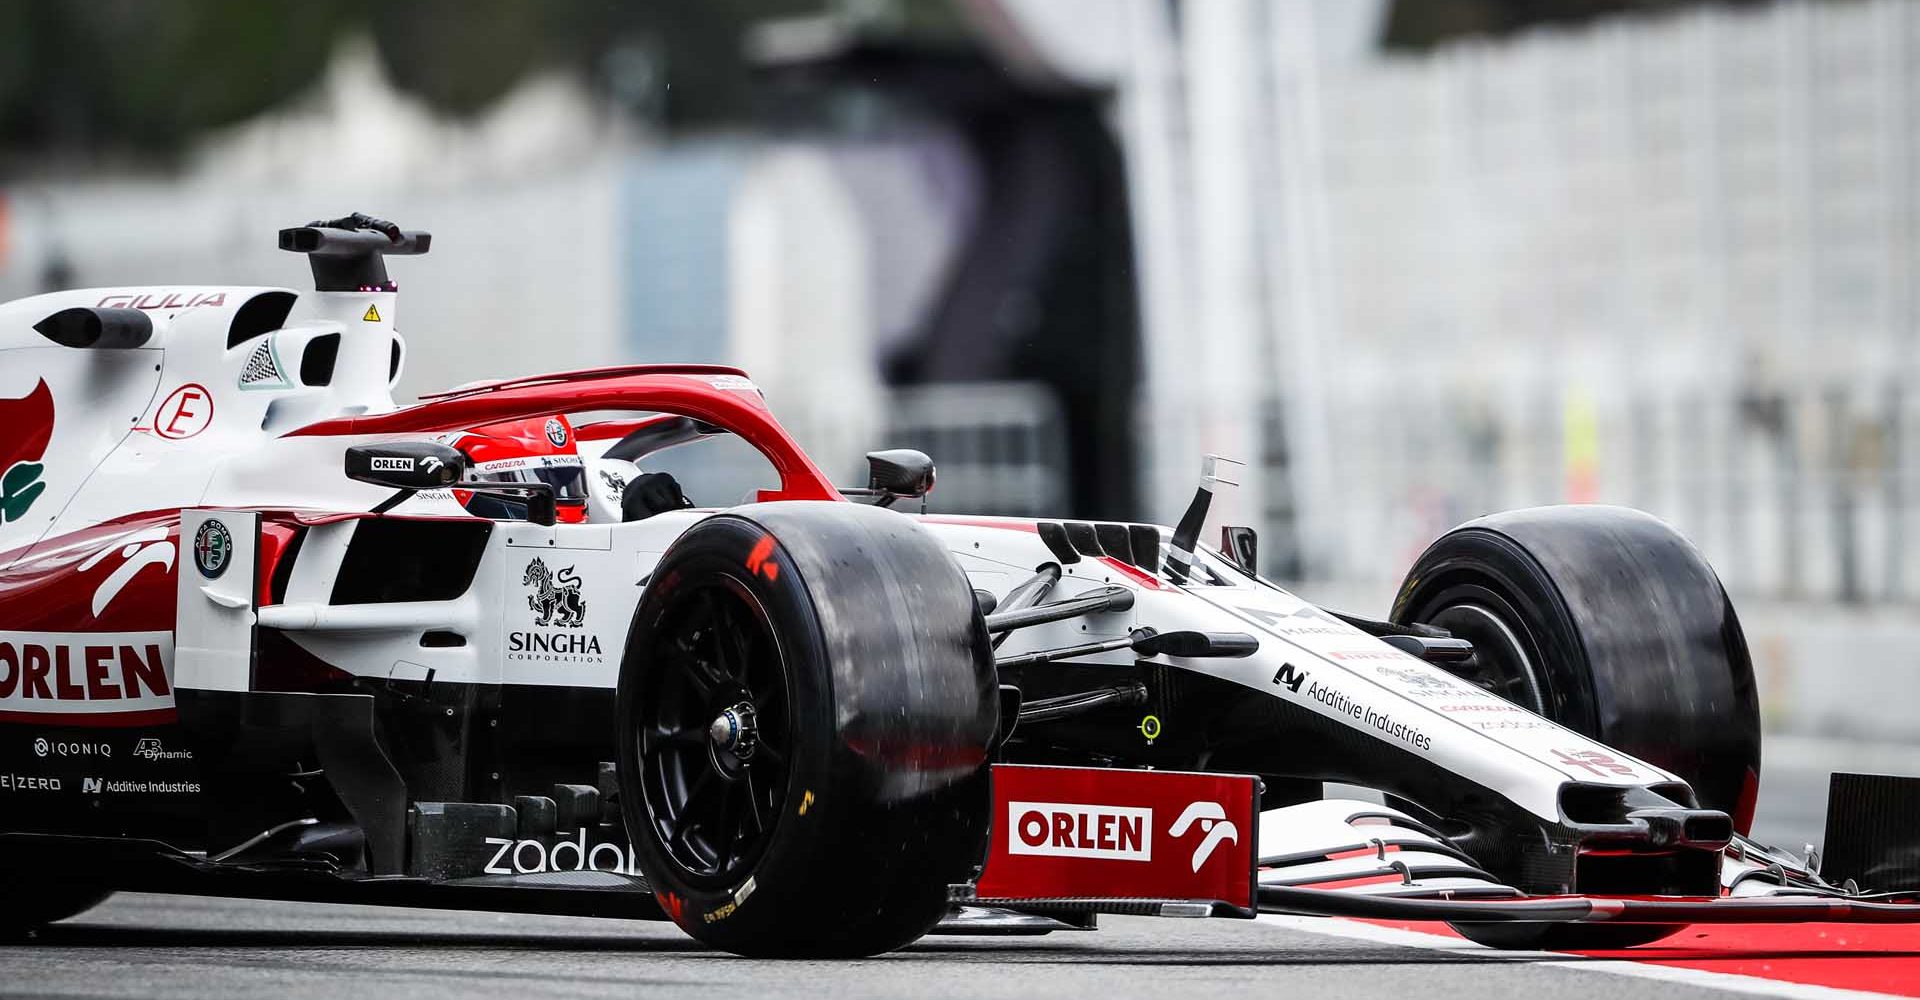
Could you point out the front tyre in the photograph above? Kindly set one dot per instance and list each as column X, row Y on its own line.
column 1607, row 621
column 806, row 702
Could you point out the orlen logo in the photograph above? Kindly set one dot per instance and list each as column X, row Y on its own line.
column 85, row 673
column 1212, row 820
column 1076, row 830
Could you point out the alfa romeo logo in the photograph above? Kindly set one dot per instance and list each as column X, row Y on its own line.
column 212, row 548
column 556, row 432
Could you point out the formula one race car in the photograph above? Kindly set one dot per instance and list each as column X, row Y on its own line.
column 265, row 633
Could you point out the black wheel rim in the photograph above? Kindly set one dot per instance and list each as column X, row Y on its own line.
column 714, row 731
column 1504, row 661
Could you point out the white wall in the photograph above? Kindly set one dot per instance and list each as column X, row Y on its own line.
column 1583, row 264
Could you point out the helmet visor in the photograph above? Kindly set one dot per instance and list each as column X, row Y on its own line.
column 565, row 473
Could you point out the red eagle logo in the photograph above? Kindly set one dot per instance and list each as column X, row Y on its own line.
column 26, row 425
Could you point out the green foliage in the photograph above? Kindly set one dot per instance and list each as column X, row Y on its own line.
column 105, row 74
column 116, row 76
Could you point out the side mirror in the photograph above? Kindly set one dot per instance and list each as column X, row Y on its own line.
column 406, row 465
column 543, row 508
column 1242, row 546
column 411, row 466
column 899, row 473
column 1195, row 644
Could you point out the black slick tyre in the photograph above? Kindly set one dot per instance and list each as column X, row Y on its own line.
column 1609, row 622
column 806, row 701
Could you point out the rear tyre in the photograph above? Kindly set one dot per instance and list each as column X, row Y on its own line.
column 806, row 702
column 1607, row 621
column 33, row 903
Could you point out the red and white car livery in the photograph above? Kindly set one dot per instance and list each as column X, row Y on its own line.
column 265, row 631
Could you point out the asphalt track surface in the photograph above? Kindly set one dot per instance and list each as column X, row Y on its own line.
column 172, row 946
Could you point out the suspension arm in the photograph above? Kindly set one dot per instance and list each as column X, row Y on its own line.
column 1105, row 599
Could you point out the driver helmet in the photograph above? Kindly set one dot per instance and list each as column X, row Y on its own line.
column 536, row 450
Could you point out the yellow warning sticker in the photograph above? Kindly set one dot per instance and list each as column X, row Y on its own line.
column 372, row 316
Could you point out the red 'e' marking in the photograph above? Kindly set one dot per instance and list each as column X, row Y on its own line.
column 187, row 411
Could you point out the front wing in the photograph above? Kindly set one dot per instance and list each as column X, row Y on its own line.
column 1074, row 841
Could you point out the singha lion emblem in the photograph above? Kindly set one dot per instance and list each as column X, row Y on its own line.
column 556, row 599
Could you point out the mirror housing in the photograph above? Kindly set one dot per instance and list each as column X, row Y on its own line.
column 1241, row 546
column 542, row 507
column 899, row 474
column 411, row 466
column 406, row 465
column 1195, row 644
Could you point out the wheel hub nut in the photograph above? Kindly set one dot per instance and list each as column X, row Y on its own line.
column 734, row 732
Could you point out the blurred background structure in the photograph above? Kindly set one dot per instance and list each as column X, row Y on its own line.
column 1412, row 260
